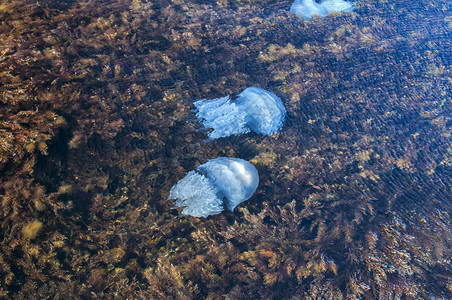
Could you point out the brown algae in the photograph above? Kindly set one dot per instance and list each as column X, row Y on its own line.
column 97, row 124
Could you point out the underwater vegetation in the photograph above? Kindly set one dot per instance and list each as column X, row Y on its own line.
column 354, row 197
column 254, row 109
column 309, row 8
column 219, row 182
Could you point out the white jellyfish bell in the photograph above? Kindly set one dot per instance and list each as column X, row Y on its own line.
column 221, row 182
column 254, row 109
column 308, row 8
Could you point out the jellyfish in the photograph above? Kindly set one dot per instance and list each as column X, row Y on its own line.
column 219, row 183
column 254, row 109
column 308, row 8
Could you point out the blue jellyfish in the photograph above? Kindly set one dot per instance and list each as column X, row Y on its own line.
column 255, row 109
column 308, row 8
column 219, row 183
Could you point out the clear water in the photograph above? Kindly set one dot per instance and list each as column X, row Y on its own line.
column 97, row 123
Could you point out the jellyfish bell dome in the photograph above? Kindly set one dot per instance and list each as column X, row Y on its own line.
column 336, row 5
column 254, row 109
column 235, row 177
column 219, row 183
column 265, row 110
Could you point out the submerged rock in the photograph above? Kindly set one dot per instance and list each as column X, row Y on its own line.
column 308, row 8
column 254, row 109
column 218, row 183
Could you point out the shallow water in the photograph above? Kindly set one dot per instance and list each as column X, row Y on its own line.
column 97, row 124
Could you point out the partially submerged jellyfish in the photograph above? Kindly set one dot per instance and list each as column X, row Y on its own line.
column 255, row 109
column 219, row 183
column 308, row 8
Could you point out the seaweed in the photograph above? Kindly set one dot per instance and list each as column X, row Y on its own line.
column 97, row 122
